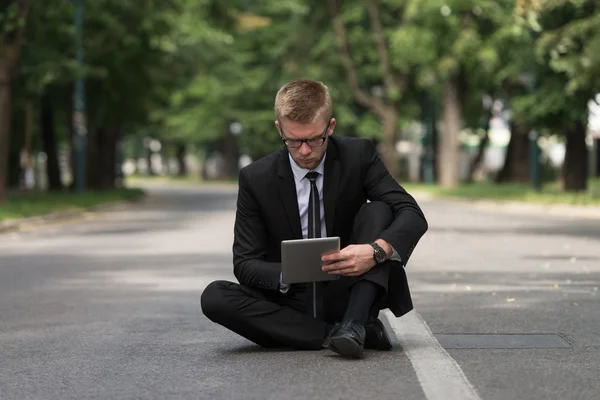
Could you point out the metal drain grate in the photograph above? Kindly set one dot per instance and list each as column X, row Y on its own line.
column 502, row 341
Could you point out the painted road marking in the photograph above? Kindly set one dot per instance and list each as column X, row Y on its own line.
column 440, row 376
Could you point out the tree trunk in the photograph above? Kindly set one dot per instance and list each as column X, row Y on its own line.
column 72, row 144
column 575, row 168
column 389, row 154
column 5, row 114
column 102, row 173
column 26, row 158
column 476, row 162
column 92, row 157
column 10, row 47
column 14, row 174
column 180, row 154
column 15, row 156
column 49, row 146
column 151, row 171
column 449, row 145
column 108, row 173
column 516, row 161
column 435, row 143
column 596, row 169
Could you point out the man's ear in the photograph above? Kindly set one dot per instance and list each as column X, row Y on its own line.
column 332, row 124
column 278, row 127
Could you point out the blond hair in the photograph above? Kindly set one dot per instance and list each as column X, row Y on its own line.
column 304, row 101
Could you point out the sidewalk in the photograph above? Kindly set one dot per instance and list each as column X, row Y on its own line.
column 510, row 207
column 517, row 207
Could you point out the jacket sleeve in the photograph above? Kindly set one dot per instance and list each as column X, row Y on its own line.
column 409, row 223
column 250, row 242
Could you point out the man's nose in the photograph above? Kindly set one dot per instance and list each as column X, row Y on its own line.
column 305, row 149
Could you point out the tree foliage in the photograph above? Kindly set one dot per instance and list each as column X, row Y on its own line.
column 184, row 70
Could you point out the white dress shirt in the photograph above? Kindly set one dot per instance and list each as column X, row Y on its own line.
column 303, row 194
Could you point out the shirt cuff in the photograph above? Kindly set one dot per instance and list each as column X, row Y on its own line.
column 395, row 256
column 283, row 288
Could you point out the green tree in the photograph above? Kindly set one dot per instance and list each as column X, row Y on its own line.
column 376, row 79
column 567, row 45
column 131, row 67
column 13, row 16
column 451, row 46
column 46, row 75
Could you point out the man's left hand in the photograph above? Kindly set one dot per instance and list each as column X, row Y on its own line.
column 352, row 260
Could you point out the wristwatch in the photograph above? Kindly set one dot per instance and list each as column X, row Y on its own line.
column 379, row 254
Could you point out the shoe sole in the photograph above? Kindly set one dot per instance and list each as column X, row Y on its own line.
column 388, row 342
column 346, row 347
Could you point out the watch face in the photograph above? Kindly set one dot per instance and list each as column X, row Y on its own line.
column 379, row 253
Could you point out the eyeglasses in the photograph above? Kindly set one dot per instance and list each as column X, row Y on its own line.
column 297, row 143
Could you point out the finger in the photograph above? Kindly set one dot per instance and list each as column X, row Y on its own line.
column 342, row 265
column 349, row 272
column 338, row 266
column 332, row 257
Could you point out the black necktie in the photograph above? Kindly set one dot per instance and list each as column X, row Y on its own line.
column 314, row 207
column 314, row 231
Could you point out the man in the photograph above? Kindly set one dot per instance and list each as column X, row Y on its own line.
column 280, row 198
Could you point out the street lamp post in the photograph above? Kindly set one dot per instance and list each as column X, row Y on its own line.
column 79, row 119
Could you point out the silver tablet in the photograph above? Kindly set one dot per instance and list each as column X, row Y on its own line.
column 301, row 259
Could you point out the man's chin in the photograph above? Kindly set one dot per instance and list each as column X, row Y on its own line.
column 308, row 164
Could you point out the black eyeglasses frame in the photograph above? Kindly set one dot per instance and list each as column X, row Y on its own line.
column 321, row 138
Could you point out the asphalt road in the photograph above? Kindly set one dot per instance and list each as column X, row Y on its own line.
column 109, row 308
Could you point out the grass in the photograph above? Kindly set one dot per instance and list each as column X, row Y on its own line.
column 30, row 204
column 549, row 194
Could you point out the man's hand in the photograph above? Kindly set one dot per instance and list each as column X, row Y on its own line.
column 353, row 260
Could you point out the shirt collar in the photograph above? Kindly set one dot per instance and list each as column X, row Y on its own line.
column 300, row 172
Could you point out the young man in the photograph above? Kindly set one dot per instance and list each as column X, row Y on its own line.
column 317, row 186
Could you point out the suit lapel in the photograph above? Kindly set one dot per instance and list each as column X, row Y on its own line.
column 330, row 185
column 287, row 192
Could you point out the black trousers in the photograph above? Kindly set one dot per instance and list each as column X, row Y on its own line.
column 270, row 318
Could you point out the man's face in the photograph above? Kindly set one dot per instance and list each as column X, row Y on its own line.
column 310, row 153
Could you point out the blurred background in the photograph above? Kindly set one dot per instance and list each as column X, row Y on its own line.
column 486, row 98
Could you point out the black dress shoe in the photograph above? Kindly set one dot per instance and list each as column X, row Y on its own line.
column 348, row 340
column 377, row 337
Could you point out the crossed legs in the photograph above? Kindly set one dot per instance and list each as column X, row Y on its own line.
column 273, row 319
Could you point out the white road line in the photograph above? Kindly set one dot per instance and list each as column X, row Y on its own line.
column 439, row 375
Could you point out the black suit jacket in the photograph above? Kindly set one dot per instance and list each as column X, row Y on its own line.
column 267, row 212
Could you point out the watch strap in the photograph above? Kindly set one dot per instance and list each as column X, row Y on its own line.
column 379, row 253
